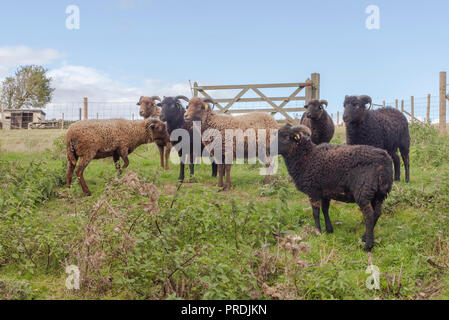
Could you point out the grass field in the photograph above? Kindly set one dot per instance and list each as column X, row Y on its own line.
column 143, row 236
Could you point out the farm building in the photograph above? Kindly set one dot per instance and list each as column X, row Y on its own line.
column 20, row 118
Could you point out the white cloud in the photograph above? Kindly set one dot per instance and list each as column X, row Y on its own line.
column 72, row 83
column 11, row 57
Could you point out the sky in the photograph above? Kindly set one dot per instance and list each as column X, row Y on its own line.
column 128, row 48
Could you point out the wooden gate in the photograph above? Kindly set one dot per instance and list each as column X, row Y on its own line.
column 312, row 86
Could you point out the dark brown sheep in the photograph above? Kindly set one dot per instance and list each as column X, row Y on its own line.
column 319, row 121
column 385, row 128
column 360, row 174
column 116, row 138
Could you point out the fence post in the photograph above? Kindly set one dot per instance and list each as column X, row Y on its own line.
column 195, row 90
column 443, row 83
column 80, row 113
column 338, row 117
column 85, row 109
column 402, row 106
column 133, row 117
column 412, row 108
column 428, row 109
column 3, row 118
column 62, row 121
column 383, row 104
column 396, row 103
column 97, row 115
column 316, row 86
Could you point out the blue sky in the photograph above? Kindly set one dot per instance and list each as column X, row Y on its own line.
column 125, row 47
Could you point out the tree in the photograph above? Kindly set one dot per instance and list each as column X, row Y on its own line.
column 30, row 87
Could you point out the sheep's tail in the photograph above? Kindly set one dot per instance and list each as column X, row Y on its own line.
column 71, row 152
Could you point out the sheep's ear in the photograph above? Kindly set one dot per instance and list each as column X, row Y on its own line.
column 324, row 103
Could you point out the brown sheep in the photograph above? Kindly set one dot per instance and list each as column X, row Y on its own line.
column 150, row 109
column 200, row 110
column 97, row 139
column 318, row 121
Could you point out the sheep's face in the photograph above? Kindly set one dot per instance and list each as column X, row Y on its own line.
column 158, row 131
column 290, row 137
column 355, row 108
column 197, row 110
column 172, row 110
column 315, row 109
column 148, row 106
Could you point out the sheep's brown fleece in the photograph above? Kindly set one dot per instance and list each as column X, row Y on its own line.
column 199, row 110
column 385, row 128
column 96, row 139
column 360, row 174
column 319, row 121
column 150, row 109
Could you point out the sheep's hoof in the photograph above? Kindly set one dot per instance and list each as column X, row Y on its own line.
column 329, row 230
column 192, row 180
column 364, row 238
column 368, row 248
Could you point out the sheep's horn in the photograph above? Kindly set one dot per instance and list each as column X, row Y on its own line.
column 366, row 99
column 324, row 102
column 209, row 101
column 156, row 98
column 139, row 103
column 182, row 98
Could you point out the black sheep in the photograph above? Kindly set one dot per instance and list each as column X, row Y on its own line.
column 173, row 113
column 319, row 121
column 353, row 174
column 385, row 128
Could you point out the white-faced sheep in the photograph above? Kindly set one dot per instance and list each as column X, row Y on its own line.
column 319, row 121
column 116, row 138
column 360, row 174
column 200, row 110
column 385, row 128
column 150, row 109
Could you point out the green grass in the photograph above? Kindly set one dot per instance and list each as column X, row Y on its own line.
column 194, row 242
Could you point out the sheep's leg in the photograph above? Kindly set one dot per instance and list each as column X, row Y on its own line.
column 377, row 205
column 368, row 215
column 268, row 172
column 124, row 155
column 83, row 162
column 167, row 156
column 214, row 169
column 161, row 155
column 220, row 175
column 192, row 165
column 397, row 166
column 69, row 174
column 325, row 207
column 116, row 158
column 406, row 160
column 228, row 176
column 316, row 205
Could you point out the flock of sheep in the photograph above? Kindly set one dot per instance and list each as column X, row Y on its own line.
column 359, row 172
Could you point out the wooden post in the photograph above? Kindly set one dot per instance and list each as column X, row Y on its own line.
column 133, row 117
column 402, row 106
column 443, row 83
column 81, row 112
column 62, row 121
column 396, row 103
column 428, row 109
column 3, row 118
column 85, row 109
column 195, row 90
column 338, row 117
column 412, row 108
column 316, row 86
column 383, row 104
column 97, row 115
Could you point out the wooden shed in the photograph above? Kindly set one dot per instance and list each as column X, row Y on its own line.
column 20, row 118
